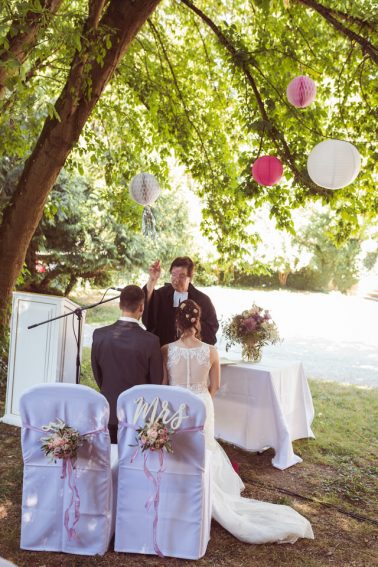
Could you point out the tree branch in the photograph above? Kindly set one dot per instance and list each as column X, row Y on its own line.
column 180, row 95
column 353, row 19
column 95, row 10
column 366, row 46
column 22, row 37
column 275, row 135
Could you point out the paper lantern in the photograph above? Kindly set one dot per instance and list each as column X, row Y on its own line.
column 144, row 189
column 333, row 164
column 267, row 170
column 301, row 91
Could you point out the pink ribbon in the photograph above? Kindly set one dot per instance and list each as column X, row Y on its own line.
column 75, row 497
column 155, row 497
column 68, row 465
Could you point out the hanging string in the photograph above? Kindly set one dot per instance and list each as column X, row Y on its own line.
column 148, row 223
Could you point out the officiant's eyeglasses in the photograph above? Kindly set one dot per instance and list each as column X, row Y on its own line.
column 180, row 277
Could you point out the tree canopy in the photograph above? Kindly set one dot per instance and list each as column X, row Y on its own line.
column 86, row 84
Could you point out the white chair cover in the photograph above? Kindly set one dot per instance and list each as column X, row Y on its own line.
column 46, row 495
column 177, row 524
column 5, row 563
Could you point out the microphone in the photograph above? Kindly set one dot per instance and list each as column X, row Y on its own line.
column 116, row 288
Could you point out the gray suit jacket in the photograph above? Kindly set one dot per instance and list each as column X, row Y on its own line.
column 124, row 355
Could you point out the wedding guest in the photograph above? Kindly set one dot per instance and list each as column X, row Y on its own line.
column 124, row 354
column 161, row 304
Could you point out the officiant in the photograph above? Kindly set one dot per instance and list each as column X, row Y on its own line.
column 161, row 304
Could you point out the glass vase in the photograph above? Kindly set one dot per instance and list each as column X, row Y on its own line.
column 251, row 351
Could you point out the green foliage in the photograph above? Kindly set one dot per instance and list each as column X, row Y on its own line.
column 205, row 271
column 92, row 234
column 314, row 258
column 332, row 264
column 86, row 376
column 77, row 237
column 210, row 96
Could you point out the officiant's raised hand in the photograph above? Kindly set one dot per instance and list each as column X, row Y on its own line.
column 154, row 272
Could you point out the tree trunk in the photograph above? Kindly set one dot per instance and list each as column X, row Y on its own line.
column 282, row 278
column 82, row 90
column 71, row 284
column 22, row 36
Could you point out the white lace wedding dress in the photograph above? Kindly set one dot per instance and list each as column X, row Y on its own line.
column 249, row 520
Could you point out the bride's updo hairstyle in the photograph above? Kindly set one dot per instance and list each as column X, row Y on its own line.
column 188, row 315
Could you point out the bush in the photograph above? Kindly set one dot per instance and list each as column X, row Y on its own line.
column 205, row 273
column 307, row 279
column 255, row 280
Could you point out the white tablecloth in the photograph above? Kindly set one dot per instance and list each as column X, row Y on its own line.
column 262, row 405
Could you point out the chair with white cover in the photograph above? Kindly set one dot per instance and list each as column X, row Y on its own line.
column 63, row 508
column 163, row 508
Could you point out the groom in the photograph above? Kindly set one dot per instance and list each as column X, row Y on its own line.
column 124, row 354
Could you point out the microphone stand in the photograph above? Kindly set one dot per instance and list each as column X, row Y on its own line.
column 79, row 314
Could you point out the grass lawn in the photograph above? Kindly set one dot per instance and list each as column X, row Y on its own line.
column 334, row 487
column 102, row 315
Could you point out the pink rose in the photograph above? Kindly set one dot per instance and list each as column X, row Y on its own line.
column 250, row 324
column 58, row 442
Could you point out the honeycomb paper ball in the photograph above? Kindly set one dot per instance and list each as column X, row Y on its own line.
column 301, row 91
column 144, row 188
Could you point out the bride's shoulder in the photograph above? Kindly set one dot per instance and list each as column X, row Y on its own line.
column 214, row 355
column 168, row 346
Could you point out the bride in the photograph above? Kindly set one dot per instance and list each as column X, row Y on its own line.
column 192, row 364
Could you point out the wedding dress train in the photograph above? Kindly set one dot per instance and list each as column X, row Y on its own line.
column 249, row 520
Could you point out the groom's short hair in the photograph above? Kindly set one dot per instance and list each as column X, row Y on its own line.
column 131, row 297
column 183, row 262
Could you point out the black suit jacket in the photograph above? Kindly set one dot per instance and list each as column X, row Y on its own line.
column 159, row 316
column 124, row 355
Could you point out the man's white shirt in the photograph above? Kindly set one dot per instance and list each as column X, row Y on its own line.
column 132, row 320
column 178, row 297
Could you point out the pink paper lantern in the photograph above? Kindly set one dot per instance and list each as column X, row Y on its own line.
column 301, row 91
column 267, row 170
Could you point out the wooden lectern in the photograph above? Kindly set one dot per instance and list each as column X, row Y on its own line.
column 46, row 353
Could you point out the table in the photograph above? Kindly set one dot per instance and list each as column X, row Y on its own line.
column 263, row 405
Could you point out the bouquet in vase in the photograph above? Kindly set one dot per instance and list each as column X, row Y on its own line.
column 253, row 329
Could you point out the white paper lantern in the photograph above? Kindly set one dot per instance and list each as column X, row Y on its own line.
column 144, row 189
column 333, row 164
